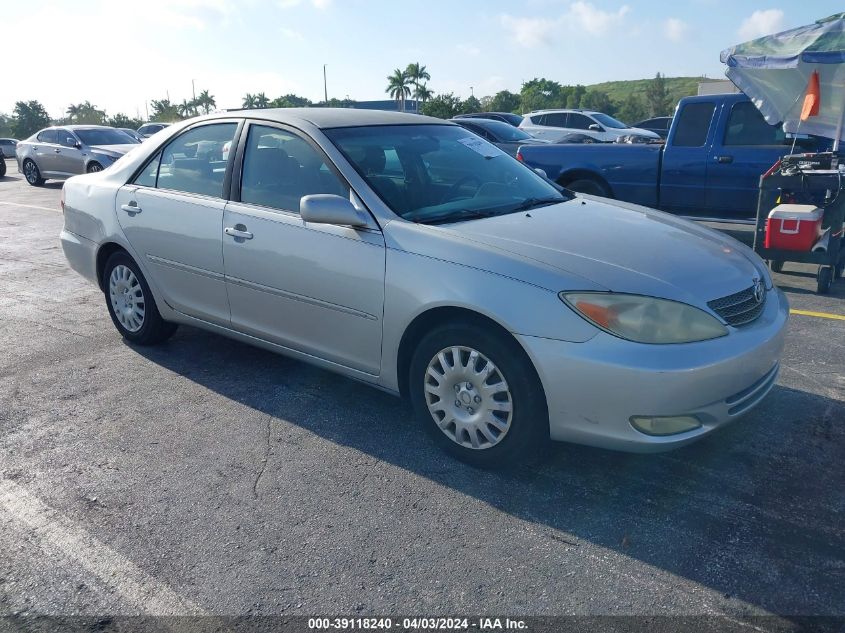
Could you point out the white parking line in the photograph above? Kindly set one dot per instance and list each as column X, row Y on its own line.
column 142, row 591
column 30, row 206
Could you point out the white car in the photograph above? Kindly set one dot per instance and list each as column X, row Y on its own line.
column 7, row 147
column 554, row 124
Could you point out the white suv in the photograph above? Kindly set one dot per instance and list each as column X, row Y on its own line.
column 553, row 124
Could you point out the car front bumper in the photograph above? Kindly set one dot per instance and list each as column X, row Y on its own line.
column 594, row 388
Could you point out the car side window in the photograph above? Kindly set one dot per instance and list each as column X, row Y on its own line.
column 66, row 139
column 693, row 124
column 280, row 168
column 47, row 136
column 193, row 161
column 556, row 119
column 149, row 175
column 579, row 121
column 746, row 126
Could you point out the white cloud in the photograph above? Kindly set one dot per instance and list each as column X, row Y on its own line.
column 469, row 50
column 761, row 23
column 317, row 4
column 581, row 17
column 529, row 32
column 593, row 20
column 675, row 29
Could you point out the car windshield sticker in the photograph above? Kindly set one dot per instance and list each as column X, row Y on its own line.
column 480, row 146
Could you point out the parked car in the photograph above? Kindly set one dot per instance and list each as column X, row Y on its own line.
column 505, row 117
column 659, row 125
column 148, row 129
column 575, row 137
column 7, row 147
column 553, row 124
column 132, row 133
column 61, row 152
column 711, row 163
column 390, row 248
column 503, row 135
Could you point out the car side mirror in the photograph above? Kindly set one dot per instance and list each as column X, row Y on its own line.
column 77, row 145
column 595, row 127
column 324, row 208
column 541, row 172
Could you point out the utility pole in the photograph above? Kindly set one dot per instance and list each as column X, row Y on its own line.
column 193, row 90
column 471, row 93
column 325, row 85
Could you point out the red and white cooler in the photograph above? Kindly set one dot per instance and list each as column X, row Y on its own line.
column 794, row 227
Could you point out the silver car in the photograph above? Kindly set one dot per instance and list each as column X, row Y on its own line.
column 61, row 152
column 7, row 147
column 404, row 252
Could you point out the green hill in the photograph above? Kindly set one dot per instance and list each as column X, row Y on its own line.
column 676, row 87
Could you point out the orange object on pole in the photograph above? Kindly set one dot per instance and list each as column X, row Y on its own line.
column 812, row 98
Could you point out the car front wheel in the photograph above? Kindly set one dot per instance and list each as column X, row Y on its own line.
column 131, row 304
column 477, row 394
column 94, row 167
column 31, row 173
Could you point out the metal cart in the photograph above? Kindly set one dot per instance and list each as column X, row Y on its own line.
column 802, row 181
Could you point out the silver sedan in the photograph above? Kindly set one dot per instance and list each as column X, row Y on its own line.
column 61, row 152
column 406, row 253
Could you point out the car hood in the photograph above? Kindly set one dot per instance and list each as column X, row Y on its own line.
column 113, row 150
column 642, row 132
column 623, row 248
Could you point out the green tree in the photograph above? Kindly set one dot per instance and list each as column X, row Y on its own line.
column 470, row 105
column 30, row 116
column 417, row 74
column 164, row 110
column 505, row 101
column 575, row 96
column 422, row 93
column 657, row 99
column 7, row 124
column 399, row 87
column 187, row 109
column 291, row 101
column 539, row 93
column 249, row 101
column 261, row 100
column 122, row 120
column 85, row 114
column 443, row 106
column 632, row 109
column 598, row 101
column 206, row 102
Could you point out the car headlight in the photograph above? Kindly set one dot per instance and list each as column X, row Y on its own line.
column 644, row 319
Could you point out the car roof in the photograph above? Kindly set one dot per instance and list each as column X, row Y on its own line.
column 79, row 127
column 326, row 118
column 554, row 110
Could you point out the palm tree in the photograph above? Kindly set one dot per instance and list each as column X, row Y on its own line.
column 417, row 74
column 206, row 101
column 423, row 93
column 187, row 109
column 73, row 111
column 261, row 100
column 399, row 88
column 249, row 101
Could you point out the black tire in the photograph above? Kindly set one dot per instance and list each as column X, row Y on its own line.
column 2, row 166
column 776, row 265
column 93, row 167
column 153, row 328
column 838, row 270
column 32, row 173
column 528, row 433
column 589, row 186
column 824, row 279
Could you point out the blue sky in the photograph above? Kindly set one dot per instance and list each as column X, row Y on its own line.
column 120, row 53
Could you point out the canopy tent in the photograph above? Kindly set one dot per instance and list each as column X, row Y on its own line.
column 775, row 70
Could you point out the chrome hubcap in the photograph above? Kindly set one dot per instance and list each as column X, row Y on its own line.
column 95, row 167
column 127, row 298
column 468, row 397
column 29, row 171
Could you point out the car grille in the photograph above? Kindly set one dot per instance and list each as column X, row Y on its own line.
column 739, row 308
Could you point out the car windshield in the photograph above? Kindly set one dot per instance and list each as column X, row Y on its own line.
column 104, row 137
column 609, row 121
column 441, row 173
column 513, row 119
column 504, row 131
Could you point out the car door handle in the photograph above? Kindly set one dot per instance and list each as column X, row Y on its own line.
column 237, row 232
column 132, row 207
column 723, row 159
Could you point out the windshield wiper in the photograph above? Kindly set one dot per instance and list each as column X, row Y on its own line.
column 531, row 203
column 458, row 216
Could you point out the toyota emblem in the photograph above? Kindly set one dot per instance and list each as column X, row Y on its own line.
column 759, row 290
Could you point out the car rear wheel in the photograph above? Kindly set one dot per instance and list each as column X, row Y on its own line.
column 31, row 173
column 477, row 394
column 93, row 167
column 131, row 304
column 2, row 166
column 589, row 186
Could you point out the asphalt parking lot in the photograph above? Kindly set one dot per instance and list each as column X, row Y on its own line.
column 205, row 476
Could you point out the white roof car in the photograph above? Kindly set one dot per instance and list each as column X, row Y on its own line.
column 553, row 124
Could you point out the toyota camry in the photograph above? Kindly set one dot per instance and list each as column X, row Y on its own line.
column 410, row 254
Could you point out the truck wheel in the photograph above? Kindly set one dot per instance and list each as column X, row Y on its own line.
column 589, row 186
column 776, row 265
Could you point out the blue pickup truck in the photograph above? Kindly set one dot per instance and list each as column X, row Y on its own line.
column 717, row 149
